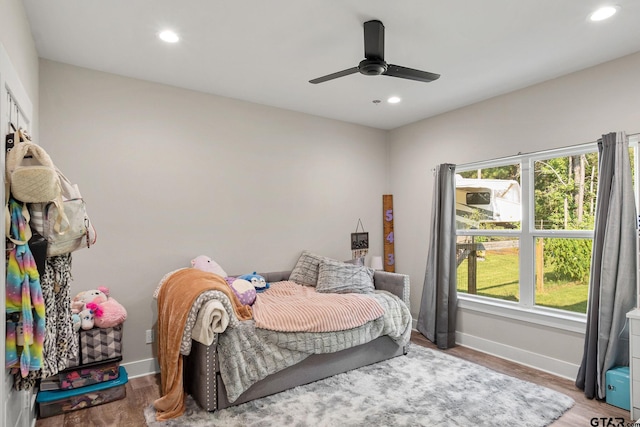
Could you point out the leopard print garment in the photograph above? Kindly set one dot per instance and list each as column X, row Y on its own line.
column 60, row 342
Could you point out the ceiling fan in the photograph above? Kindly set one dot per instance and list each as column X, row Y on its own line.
column 374, row 63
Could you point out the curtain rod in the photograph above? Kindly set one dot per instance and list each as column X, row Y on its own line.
column 506, row 159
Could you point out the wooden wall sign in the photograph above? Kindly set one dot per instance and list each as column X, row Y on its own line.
column 387, row 233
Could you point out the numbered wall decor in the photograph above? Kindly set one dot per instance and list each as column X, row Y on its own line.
column 359, row 242
column 387, row 233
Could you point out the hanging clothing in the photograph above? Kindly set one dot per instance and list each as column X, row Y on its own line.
column 23, row 295
column 60, row 342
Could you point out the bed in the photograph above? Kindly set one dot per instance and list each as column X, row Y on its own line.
column 248, row 361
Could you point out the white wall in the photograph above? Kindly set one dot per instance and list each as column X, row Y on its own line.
column 15, row 36
column 18, row 46
column 169, row 174
column 566, row 111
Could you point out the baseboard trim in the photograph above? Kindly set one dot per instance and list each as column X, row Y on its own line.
column 538, row 361
column 143, row 367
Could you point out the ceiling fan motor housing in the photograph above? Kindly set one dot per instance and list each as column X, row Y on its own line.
column 372, row 67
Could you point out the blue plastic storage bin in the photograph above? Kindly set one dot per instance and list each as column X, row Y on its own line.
column 57, row 402
column 618, row 392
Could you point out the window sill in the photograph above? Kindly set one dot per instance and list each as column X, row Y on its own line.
column 568, row 321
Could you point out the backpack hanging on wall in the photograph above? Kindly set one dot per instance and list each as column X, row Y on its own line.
column 58, row 211
column 71, row 235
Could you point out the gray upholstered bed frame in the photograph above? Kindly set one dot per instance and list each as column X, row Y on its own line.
column 202, row 376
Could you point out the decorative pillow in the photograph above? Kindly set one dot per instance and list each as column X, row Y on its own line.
column 340, row 278
column 306, row 270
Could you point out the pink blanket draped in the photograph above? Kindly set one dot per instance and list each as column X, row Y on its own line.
column 289, row 307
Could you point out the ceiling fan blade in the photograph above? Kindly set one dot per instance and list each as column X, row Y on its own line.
column 374, row 40
column 410, row 73
column 335, row 75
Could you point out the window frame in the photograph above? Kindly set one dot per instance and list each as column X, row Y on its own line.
column 525, row 309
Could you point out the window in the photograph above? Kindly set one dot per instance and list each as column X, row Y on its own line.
column 525, row 228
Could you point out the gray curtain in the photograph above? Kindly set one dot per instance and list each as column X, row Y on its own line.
column 612, row 285
column 437, row 317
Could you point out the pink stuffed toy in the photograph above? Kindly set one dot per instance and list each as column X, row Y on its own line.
column 107, row 311
column 205, row 263
column 110, row 313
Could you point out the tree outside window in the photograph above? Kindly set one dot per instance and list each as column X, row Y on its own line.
column 539, row 205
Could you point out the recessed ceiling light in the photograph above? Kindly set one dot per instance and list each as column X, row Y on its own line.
column 393, row 100
column 603, row 13
column 169, row 36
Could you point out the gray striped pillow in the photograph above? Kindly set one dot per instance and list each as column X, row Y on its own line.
column 341, row 278
column 306, row 270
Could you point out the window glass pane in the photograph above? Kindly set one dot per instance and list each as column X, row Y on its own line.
column 488, row 266
column 489, row 198
column 562, row 273
column 565, row 192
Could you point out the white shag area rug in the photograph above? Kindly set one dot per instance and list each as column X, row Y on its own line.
column 424, row 388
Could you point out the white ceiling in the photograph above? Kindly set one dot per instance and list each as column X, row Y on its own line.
column 267, row 51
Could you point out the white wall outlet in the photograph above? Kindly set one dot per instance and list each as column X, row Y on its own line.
column 149, row 336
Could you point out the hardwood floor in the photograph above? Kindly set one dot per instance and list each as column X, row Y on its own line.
column 144, row 390
column 579, row 415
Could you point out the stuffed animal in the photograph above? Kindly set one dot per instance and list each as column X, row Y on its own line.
column 205, row 263
column 75, row 321
column 94, row 295
column 109, row 313
column 244, row 290
column 106, row 312
column 256, row 280
column 86, row 319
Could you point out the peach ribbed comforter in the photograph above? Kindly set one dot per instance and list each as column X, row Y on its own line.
column 289, row 307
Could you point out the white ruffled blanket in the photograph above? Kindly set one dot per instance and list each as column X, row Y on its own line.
column 212, row 319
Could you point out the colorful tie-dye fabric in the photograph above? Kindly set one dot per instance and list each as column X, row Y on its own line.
column 11, row 348
column 24, row 295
